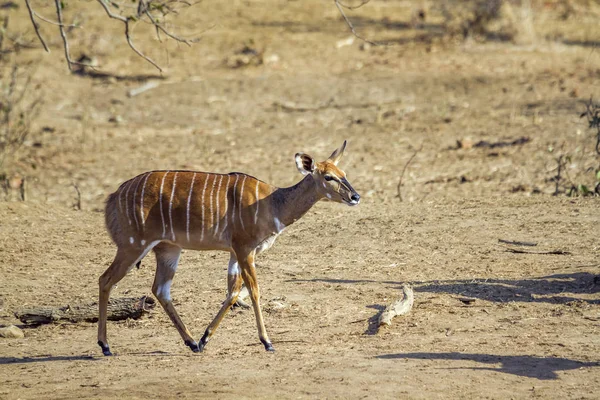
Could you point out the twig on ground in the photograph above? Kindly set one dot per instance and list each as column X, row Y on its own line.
column 293, row 107
column 78, row 204
column 399, row 307
column 141, row 89
column 398, row 189
column 552, row 252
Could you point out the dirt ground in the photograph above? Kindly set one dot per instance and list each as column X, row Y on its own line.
column 532, row 326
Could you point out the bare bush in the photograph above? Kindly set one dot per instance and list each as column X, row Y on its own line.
column 129, row 13
column 475, row 18
column 17, row 112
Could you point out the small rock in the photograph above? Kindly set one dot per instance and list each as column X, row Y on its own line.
column 464, row 143
column 272, row 59
column 344, row 42
column 11, row 332
column 116, row 119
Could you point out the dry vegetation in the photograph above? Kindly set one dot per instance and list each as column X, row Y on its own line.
column 468, row 112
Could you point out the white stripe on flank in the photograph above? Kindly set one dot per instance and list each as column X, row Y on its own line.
column 126, row 202
column 241, row 201
column 233, row 206
column 171, row 206
column 212, row 191
column 142, row 200
column 218, row 200
column 162, row 215
column 187, row 225
column 202, row 202
column 121, row 190
column 137, row 225
column 225, row 208
column 256, row 214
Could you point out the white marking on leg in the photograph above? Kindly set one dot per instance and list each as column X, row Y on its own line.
column 241, row 201
column 142, row 200
column 278, row 225
column 256, row 213
column 233, row 268
column 218, row 200
column 189, row 199
column 225, row 207
column 202, row 202
column 162, row 215
column 137, row 226
column 212, row 190
column 131, row 239
column 143, row 242
column 163, row 291
column 233, row 206
column 171, row 206
column 126, row 197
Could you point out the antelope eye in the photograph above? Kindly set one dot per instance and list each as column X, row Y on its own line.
column 328, row 177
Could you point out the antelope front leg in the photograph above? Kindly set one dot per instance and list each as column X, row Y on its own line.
column 234, row 283
column 249, row 276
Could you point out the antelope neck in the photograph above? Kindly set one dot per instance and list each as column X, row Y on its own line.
column 291, row 203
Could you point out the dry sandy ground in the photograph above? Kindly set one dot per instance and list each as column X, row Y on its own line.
column 532, row 330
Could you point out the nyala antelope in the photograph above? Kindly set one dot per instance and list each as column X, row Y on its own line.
column 167, row 211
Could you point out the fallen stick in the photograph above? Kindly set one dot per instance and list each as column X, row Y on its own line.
column 118, row 309
column 552, row 252
column 517, row 243
column 144, row 88
column 399, row 307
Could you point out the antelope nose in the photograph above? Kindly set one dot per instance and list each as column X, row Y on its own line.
column 355, row 197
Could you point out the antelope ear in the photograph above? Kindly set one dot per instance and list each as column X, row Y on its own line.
column 336, row 156
column 305, row 163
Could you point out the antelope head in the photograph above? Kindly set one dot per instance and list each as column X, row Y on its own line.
column 330, row 181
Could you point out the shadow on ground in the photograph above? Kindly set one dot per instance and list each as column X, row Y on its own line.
column 546, row 289
column 543, row 368
column 26, row 360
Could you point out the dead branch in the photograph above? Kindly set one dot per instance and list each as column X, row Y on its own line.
column 78, row 204
column 399, row 307
column 592, row 112
column 144, row 9
column 61, row 27
column 362, row 3
column 36, row 27
column 127, row 33
column 517, row 243
column 551, row 252
column 340, row 7
column 398, row 189
column 289, row 106
column 118, row 309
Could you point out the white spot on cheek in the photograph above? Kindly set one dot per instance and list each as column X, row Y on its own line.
column 328, row 195
column 131, row 239
column 143, row 242
column 324, row 184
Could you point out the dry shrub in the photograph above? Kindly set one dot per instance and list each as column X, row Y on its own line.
column 17, row 111
column 481, row 19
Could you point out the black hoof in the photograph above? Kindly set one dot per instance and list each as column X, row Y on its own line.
column 193, row 346
column 268, row 345
column 105, row 349
column 204, row 340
